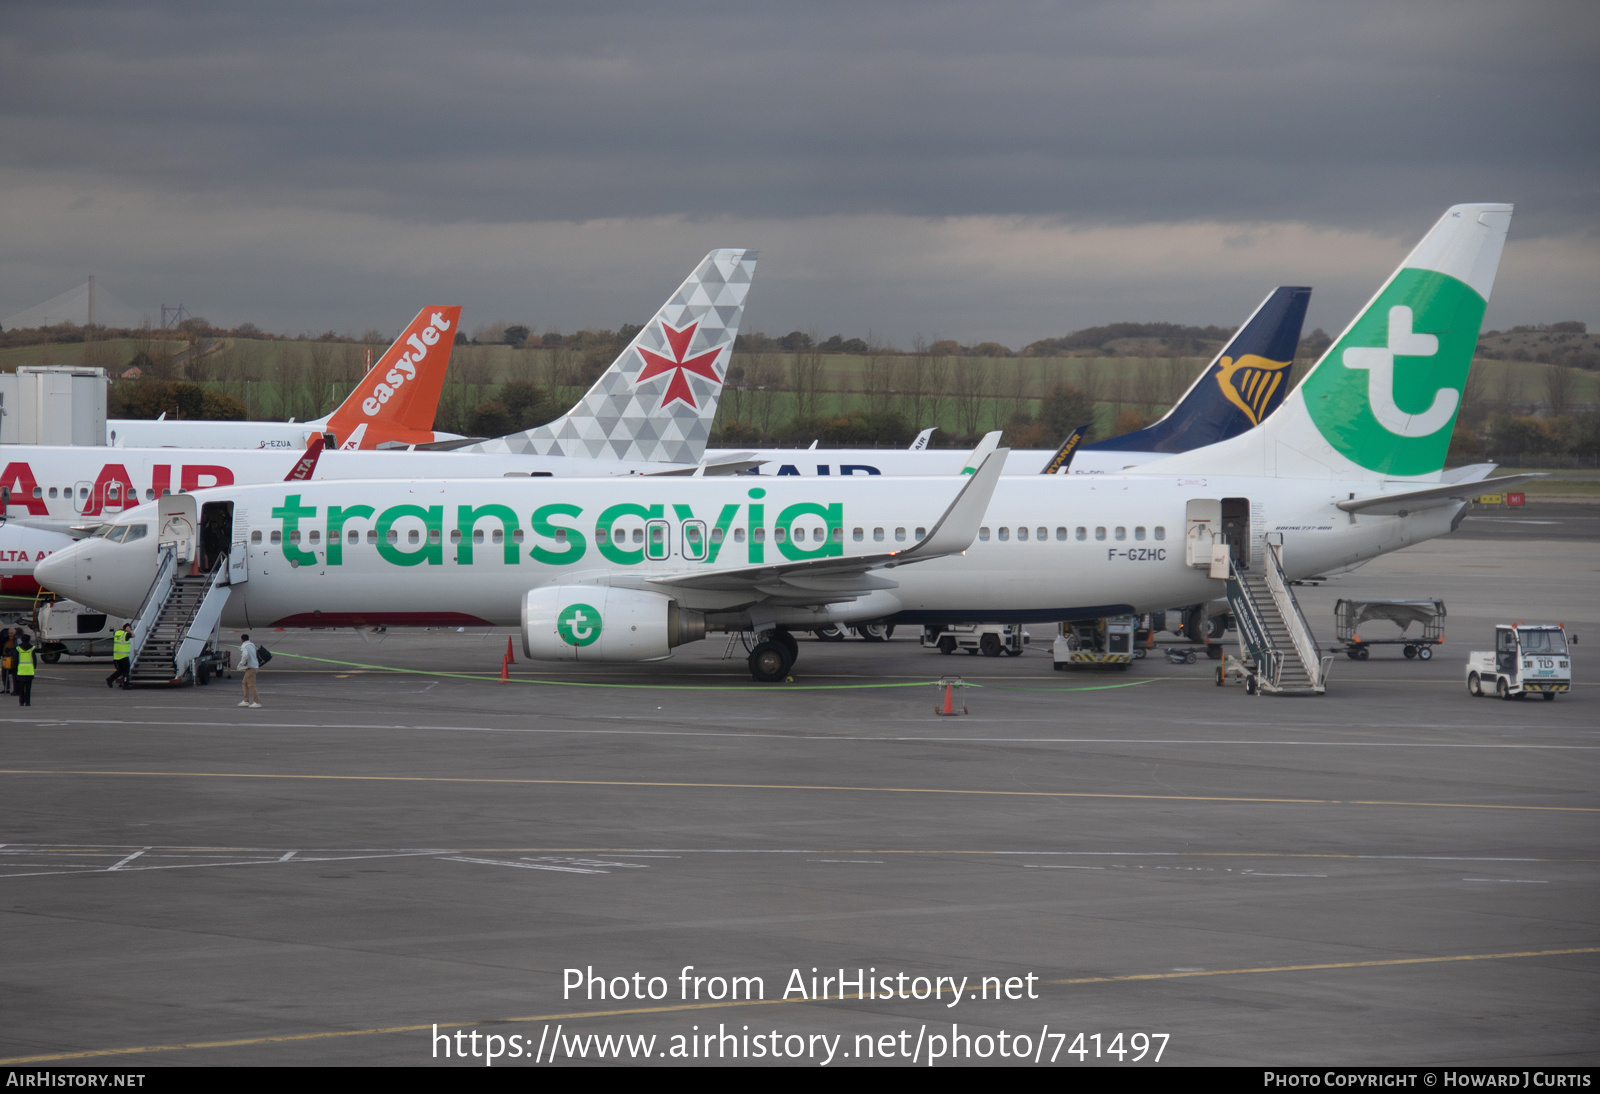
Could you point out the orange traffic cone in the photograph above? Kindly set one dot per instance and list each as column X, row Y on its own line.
column 505, row 662
column 950, row 683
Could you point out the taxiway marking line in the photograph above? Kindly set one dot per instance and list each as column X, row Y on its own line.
column 787, row 786
column 852, row 738
column 526, row 679
column 636, row 853
column 429, row 1026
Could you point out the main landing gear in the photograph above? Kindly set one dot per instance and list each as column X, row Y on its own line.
column 773, row 656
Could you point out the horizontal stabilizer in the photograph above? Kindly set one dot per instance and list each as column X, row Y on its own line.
column 1408, row 501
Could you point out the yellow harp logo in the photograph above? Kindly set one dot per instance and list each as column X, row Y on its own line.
column 1250, row 382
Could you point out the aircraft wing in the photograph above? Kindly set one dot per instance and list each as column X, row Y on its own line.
column 1406, row 501
column 841, row 578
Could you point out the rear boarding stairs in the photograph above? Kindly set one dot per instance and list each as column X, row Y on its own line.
column 1277, row 651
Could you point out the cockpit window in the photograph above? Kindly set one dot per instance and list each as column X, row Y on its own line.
column 1545, row 641
column 121, row 533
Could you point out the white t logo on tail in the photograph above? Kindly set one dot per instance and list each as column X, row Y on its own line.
column 1379, row 363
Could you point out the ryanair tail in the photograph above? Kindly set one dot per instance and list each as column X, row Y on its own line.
column 398, row 397
column 1382, row 402
column 657, row 400
column 1246, row 382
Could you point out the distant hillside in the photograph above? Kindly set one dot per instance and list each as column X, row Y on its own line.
column 1134, row 340
column 1547, row 344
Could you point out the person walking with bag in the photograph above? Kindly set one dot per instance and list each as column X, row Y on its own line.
column 24, row 671
column 249, row 661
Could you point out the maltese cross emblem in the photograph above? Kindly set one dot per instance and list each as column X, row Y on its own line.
column 678, row 364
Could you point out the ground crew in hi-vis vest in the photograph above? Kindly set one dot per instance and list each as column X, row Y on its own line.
column 121, row 646
column 24, row 672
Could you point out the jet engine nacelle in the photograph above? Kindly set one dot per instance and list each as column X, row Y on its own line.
column 599, row 623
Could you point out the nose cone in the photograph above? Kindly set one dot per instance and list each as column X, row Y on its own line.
column 59, row 572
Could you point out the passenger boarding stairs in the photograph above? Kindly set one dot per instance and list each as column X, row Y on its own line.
column 1280, row 653
column 175, row 623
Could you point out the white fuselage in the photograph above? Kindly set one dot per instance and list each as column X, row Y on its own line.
column 833, row 462
column 1110, row 544
column 58, row 486
column 163, row 433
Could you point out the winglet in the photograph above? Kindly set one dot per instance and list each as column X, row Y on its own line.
column 307, row 463
column 990, row 443
column 922, row 439
column 399, row 396
column 957, row 527
column 657, row 400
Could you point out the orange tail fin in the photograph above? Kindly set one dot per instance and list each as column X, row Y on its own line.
column 398, row 398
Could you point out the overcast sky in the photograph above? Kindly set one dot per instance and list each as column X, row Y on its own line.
column 972, row 171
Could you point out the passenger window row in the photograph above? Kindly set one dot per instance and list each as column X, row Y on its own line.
column 113, row 492
column 1062, row 534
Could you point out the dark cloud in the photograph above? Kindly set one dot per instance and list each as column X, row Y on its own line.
column 1366, row 116
column 1101, row 111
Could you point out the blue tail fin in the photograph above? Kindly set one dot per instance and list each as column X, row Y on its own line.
column 1246, row 382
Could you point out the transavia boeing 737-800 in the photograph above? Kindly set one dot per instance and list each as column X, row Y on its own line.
column 1350, row 467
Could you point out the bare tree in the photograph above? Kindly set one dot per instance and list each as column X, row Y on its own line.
column 1506, row 386
column 467, row 379
column 1149, row 385
column 879, row 375
column 735, row 403
column 1176, row 376
column 805, row 377
column 970, row 390
column 938, row 388
column 1559, row 385
column 319, row 377
column 351, row 362
column 291, row 373
column 914, row 382
column 1119, row 394
column 1017, row 385
column 766, row 401
column 522, row 365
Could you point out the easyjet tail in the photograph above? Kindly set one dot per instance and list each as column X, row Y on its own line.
column 394, row 404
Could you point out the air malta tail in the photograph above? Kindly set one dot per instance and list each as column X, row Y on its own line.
column 656, row 401
column 398, row 397
column 1382, row 402
column 1246, row 382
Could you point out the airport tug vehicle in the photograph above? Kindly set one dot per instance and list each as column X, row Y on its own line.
column 1527, row 659
column 989, row 639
